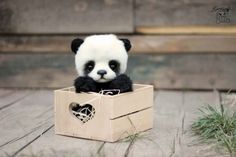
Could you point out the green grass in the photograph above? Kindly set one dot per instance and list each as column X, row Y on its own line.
column 216, row 127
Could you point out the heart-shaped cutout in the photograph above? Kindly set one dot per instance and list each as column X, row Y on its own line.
column 83, row 112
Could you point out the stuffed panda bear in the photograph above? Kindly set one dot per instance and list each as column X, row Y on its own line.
column 101, row 61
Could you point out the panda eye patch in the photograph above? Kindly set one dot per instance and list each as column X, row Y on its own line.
column 114, row 65
column 89, row 66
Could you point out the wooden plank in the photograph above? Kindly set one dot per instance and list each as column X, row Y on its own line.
column 28, row 130
column 176, row 71
column 182, row 12
column 50, row 73
column 156, row 44
column 185, row 71
column 192, row 102
column 66, row 16
column 10, row 97
column 159, row 140
column 206, row 30
column 228, row 99
column 5, row 92
column 161, row 44
column 25, row 121
column 56, row 145
column 174, row 112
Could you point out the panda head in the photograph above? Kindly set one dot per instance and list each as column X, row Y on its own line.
column 101, row 57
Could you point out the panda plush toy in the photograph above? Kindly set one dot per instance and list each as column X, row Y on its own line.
column 101, row 61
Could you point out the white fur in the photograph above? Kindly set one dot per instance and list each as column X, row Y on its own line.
column 101, row 49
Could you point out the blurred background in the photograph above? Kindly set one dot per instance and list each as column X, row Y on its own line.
column 177, row 44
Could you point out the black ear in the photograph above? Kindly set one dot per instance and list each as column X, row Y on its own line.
column 126, row 44
column 75, row 44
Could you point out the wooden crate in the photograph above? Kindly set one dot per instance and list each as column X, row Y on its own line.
column 105, row 117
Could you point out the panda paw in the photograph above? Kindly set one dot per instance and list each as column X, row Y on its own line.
column 122, row 82
column 85, row 84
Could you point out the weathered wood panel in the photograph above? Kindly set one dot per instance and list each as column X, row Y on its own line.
column 25, row 121
column 66, row 16
column 57, row 145
column 141, row 44
column 11, row 97
column 28, row 129
column 167, row 119
column 185, row 71
column 37, row 70
column 228, row 99
column 183, row 44
column 186, row 144
column 182, row 12
column 188, row 30
column 176, row 71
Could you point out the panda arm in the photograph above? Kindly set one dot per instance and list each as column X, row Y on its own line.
column 85, row 84
column 122, row 82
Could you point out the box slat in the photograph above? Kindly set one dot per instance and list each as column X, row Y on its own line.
column 131, row 124
column 141, row 98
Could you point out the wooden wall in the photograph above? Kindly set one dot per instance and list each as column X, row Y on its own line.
column 66, row 16
column 180, row 12
column 105, row 16
column 176, row 44
column 172, row 71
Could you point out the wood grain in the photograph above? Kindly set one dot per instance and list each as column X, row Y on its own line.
column 10, row 98
column 186, row 144
column 159, row 140
column 228, row 99
column 174, row 112
column 181, row 12
column 175, row 71
column 141, row 44
column 66, row 16
column 169, row 44
column 111, row 120
column 180, row 30
column 23, row 122
column 28, row 129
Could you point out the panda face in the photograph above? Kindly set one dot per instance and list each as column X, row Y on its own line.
column 102, row 71
column 101, row 57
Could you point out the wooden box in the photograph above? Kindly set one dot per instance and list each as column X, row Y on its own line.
column 103, row 117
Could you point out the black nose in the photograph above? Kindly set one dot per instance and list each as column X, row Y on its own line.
column 102, row 72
